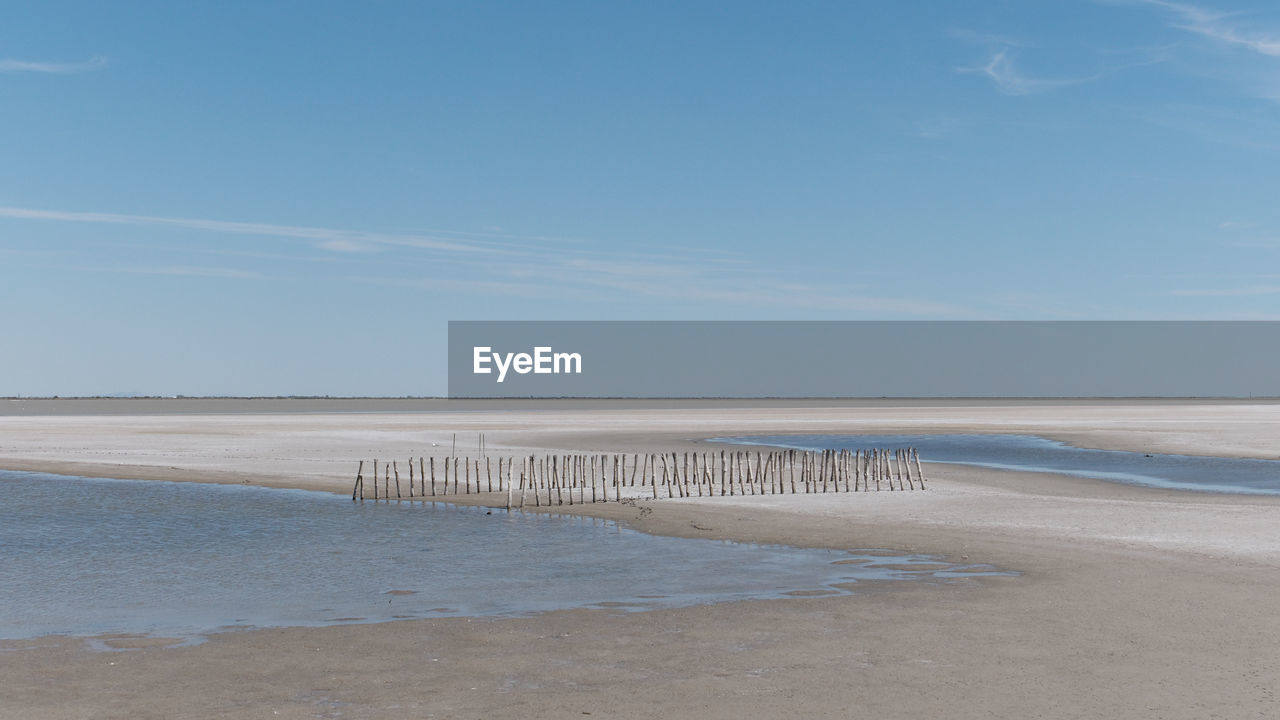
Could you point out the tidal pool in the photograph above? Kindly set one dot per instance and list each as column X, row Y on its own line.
column 1037, row 454
column 86, row 556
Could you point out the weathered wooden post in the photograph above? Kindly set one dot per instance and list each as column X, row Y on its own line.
column 731, row 470
column 524, row 479
column 666, row 481
column 653, row 475
column 534, row 478
column 688, row 492
column 619, row 464
column 555, row 478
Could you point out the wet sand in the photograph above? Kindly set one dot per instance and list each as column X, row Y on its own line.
column 1133, row 602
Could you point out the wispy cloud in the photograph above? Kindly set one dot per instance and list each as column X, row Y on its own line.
column 1223, row 27
column 189, row 271
column 702, row 288
column 10, row 65
column 590, row 273
column 1010, row 79
column 326, row 238
column 727, row 281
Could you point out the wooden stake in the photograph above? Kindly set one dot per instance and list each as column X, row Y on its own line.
column 524, row 479
column 555, row 478
column 593, row 478
column 653, row 476
column 686, row 473
column 722, row 473
column 535, row 476
column 919, row 471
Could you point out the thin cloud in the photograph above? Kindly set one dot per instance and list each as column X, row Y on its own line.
column 594, row 280
column 714, row 284
column 183, row 271
column 10, row 65
column 327, row 238
column 1219, row 26
column 623, row 267
column 530, row 290
column 1009, row 79
column 537, row 269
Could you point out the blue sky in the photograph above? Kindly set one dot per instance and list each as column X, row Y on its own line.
column 294, row 198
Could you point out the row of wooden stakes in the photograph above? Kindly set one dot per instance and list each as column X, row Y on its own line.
column 555, row 479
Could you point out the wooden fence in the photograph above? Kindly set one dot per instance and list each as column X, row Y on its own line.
column 570, row 479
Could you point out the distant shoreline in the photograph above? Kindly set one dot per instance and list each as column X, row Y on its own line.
column 24, row 406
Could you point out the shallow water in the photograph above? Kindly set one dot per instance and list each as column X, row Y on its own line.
column 1037, row 454
column 82, row 556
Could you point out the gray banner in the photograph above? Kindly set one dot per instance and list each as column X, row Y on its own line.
column 659, row 359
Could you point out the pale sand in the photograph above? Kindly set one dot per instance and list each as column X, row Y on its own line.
column 1134, row 603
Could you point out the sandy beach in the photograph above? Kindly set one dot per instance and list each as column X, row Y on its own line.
column 1131, row 603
